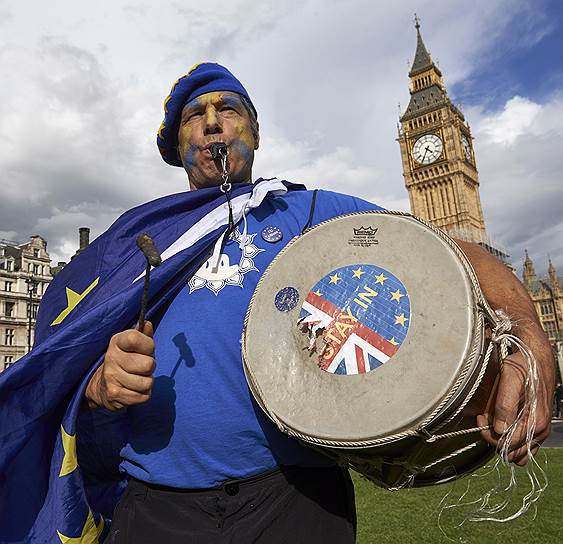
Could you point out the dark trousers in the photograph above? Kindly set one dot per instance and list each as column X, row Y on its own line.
column 292, row 505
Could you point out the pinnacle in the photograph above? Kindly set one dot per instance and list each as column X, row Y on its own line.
column 422, row 59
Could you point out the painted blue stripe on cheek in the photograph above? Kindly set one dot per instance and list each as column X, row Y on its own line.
column 239, row 147
column 189, row 157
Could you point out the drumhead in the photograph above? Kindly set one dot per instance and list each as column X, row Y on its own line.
column 359, row 328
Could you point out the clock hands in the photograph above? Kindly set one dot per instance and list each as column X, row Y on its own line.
column 427, row 149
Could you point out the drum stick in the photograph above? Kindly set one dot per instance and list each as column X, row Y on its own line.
column 146, row 245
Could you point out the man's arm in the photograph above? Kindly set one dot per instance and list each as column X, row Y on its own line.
column 503, row 291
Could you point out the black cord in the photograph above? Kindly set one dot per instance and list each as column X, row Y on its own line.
column 311, row 212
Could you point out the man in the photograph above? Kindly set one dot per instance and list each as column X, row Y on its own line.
column 204, row 463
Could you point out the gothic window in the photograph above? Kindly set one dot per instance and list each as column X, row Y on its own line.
column 8, row 285
column 549, row 327
column 34, row 310
column 36, row 269
column 8, row 360
column 9, row 337
column 9, row 309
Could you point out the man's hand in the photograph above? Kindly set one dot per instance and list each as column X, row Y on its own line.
column 510, row 400
column 503, row 291
column 125, row 376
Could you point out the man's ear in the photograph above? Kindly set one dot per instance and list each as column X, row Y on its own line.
column 257, row 136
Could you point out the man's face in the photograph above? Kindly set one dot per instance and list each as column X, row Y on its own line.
column 216, row 117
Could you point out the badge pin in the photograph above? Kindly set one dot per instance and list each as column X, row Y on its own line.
column 272, row 234
column 286, row 299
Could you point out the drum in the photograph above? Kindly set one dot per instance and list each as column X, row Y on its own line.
column 368, row 338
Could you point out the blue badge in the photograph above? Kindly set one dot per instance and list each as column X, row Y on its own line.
column 287, row 299
column 272, row 234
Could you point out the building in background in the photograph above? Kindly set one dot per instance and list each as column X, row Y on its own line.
column 25, row 273
column 83, row 240
column 547, row 294
column 441, row 178
column 439, row 165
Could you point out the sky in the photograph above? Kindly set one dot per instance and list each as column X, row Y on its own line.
column 83, row 86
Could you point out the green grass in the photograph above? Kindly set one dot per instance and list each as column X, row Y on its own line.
column 411, row 516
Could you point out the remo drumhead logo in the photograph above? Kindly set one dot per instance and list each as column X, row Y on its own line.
column 356, row 317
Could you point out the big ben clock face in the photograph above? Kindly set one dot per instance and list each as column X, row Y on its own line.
column 466, row 147
column 427, row 149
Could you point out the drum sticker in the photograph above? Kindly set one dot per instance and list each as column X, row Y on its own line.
column 286, row 299
column 356, row 318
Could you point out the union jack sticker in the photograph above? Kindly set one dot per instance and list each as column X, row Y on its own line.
column 362, row 315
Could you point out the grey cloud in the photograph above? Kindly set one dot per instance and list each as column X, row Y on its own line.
column 80, row 110
column 72, row 148
column 522, row 188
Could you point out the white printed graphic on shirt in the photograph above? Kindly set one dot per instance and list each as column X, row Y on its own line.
column 216, row 277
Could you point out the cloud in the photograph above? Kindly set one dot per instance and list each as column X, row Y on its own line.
column 83, row 93
column 515, row 120
column 520, row 162
column 72, row 140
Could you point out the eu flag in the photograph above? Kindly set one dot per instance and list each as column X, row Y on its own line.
column 59, row 480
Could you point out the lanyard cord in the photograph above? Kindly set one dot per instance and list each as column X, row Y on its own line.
column 226, row 188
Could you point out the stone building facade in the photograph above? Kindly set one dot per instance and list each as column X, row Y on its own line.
column 25, row 273
column 439, row 165
column 547, row 295
column 441, row 178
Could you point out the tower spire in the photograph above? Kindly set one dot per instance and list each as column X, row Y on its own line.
column 529, row 272
column 552, row 274
column 422, row 59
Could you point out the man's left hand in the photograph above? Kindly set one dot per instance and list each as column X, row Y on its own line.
column 504, row 292
column 510, row 401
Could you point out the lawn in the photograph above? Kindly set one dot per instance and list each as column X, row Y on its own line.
column 411, row 516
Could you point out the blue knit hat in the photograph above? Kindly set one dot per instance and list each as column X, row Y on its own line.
column 202, row 78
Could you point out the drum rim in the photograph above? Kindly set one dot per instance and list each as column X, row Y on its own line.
column 438, row 416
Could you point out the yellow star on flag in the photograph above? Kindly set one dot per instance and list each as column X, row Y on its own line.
column 400, row 319
column 69, row 460
column 393, row 341
column 335, row 279
column 72, row 300
column 357, row 273
column 317, row 292
column 380, row 279
column 397, row 295
column 90, row 532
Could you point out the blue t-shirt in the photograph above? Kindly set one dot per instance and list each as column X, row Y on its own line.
column 201, row 425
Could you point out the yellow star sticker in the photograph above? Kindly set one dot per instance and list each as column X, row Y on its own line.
column 335, row 279
column 393, row 341
column 357, row 273
column 317, row 292
column 400, row 319
column 73, row 298
column 69, row 460
column 380, row 279
column 397, row 295
column 90, row 532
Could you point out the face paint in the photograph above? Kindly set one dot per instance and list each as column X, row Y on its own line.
column 232, row 101
column 216, row 117
column 239, row 147
column 189, row 157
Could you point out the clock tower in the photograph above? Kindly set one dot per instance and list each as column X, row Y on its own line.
column 437, row 152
